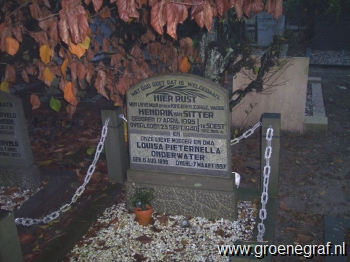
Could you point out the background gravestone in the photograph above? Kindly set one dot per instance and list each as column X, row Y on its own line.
column 250, row 29
column 268, row 26
column 17, row 166
column 179, row 141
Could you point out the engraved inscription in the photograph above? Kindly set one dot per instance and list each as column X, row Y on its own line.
column 176, row 124
column 10, row 146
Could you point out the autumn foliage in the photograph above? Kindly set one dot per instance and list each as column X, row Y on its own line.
column 67, row 34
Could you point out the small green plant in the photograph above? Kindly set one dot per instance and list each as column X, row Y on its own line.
column 142, row 198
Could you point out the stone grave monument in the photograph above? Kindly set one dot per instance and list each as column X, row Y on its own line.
column 268, row 26
column 17, row 166
column 179, row 145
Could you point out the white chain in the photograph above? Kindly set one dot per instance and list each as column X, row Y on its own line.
column 245, row 134
column 264, row 194
column 54, row 215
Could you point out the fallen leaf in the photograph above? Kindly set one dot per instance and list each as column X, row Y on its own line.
column 139, row 257
column 322, row 193
column 86, row 43
column 122, row 225
column 113, row 221
column 34, row 101
column 4, row 87
column 11, row 46
column 45, row 163
column 163, row 220
column 48, row 76
column 36, row 248
column 184, row 66
column 284, row 206
column 144, row 239
column 45, row 53
column 304, row 238
column 70, row 109
column 64, row 67
column 30, row 257
column 220, row 232
column 26, row 238
column 55, row 104
column 69, row 95
column 100, row 242
column 77, row 50
column 25, row 76
column 155, row 229
column 10, row 191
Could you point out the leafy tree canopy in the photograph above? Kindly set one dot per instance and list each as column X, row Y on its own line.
column 67, row 47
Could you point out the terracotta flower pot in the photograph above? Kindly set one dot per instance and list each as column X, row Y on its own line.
column 143, row 216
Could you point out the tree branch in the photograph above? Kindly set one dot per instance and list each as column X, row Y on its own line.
column 20, row 7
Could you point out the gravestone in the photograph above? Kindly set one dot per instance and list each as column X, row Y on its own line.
column 179, row 141
column 268, row 26
column 250, row 29
column 17, row 166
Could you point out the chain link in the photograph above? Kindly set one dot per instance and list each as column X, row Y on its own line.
column 246, row 134
column 264, row 194
column 54, row 215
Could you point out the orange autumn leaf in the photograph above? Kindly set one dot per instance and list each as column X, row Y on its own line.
column 184, row 65
column 48, row 76
column 11, row 46
column 64, row 67
column 77, row 50
column 45, row 53
column 69, row 95
column 34, row 101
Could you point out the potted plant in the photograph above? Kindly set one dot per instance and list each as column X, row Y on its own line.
column 141, row 201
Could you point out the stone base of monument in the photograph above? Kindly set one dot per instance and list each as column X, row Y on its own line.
column 187, row 195
column 22, row 176
column 59, row 180
column 9, row 242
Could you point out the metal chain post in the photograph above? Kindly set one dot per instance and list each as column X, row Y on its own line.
column 78, row 192
column 264, row 194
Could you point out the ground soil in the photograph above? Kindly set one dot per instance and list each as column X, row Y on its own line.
column 314, row 167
